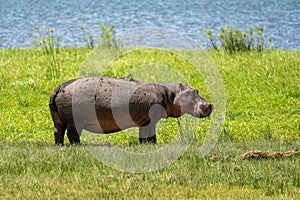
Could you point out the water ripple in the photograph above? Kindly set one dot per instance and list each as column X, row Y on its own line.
column 281, row 19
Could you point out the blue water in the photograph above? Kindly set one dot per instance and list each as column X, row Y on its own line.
column 280, row 19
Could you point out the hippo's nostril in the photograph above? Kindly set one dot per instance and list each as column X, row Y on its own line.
column 210, row 106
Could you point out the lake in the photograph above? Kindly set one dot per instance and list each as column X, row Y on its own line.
column 280, row 19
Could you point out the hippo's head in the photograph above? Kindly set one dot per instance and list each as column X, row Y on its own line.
column 187, row 100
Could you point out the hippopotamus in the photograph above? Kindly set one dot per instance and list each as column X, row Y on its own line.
column 103, row 104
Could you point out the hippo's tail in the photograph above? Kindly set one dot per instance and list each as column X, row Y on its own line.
column 52, row 103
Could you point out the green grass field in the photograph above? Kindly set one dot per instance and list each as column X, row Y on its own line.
column 262, row 113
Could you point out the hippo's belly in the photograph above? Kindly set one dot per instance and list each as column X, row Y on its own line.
column 107, row 120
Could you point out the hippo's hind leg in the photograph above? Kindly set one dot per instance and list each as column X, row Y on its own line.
column 147, row 134
column 59, row 133
column 59, row 128
column 73, row 135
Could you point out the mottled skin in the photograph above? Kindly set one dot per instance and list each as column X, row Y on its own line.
column 107, row 105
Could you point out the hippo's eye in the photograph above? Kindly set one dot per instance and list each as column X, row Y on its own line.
column 192, row 92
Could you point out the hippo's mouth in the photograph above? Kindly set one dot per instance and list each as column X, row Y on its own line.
column 204, row 111
column 200, row 115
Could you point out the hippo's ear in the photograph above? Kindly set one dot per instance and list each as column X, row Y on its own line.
column 181, row 87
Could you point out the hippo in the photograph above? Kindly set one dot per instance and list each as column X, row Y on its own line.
column 103, row 104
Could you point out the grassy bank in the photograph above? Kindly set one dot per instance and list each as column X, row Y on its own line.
column 263, row 112
column 262, row 92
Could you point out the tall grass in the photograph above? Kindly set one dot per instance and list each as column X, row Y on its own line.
column 107, row 36
column 233, row 40
column 90, row 41
column 49, row 42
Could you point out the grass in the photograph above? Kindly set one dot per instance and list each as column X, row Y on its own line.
column 263, row 112
column 263, row 94
column 41, row 170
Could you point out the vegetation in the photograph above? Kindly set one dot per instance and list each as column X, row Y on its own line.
column 233, row 40
column 44, row 171
column 49, row 43
column 263, row 101
column 90, row 42
column 262, row 91
column 107, row 37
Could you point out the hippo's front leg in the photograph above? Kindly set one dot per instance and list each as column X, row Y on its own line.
column 147, row 133
column 73, row 135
